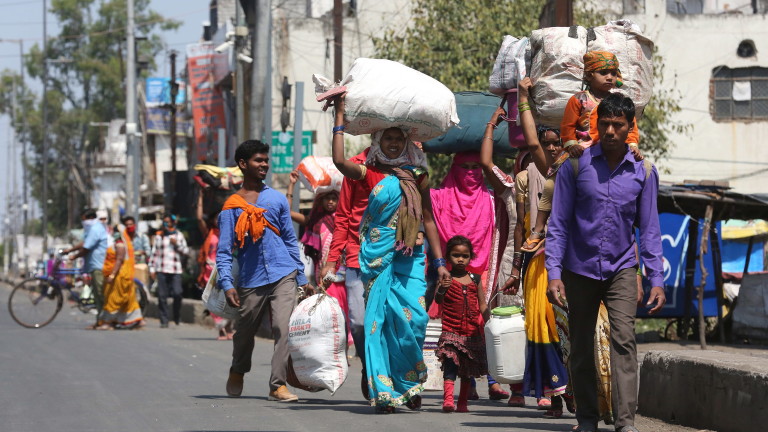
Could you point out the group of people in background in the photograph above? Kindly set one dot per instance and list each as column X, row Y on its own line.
column 112, row 255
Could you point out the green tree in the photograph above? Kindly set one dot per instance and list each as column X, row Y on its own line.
column 456, row 42
column 86, row 71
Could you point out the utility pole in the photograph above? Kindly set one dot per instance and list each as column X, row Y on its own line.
column 172, row 106
column 240, row 32
column 133, row 167
column 298, row 131
column 338, row 36
column 44, row 192
column 24, row 203
column 260, row 124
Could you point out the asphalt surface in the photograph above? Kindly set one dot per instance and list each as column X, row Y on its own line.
column 65, row 378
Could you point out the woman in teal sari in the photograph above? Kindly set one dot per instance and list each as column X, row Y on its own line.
column 392, row 262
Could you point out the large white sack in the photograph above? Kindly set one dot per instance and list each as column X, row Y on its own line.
column 320, row 175
column 634, row 51
column 317, row 343
column 511, row 65
column 557, row 70
column 383, row 94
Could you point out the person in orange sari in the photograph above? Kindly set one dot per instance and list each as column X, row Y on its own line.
column 121, row 309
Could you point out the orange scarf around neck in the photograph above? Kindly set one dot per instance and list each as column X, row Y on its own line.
column 251, row 220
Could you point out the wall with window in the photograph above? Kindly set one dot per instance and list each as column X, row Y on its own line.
column 718, row 62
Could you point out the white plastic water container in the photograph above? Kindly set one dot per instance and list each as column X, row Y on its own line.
column 505, row 344
column 434, row 374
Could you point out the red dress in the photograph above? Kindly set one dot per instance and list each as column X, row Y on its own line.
column 462, row 339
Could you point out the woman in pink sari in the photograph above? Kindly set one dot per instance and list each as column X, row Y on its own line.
column 463, row 205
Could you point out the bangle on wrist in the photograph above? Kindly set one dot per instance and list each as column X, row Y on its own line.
column 492, row 124
column 523, row 109
column 339, row 128
column 438, row 262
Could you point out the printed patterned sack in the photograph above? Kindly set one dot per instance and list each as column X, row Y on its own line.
column 511, row 66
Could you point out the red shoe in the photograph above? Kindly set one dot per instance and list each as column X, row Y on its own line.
column 448, row 406
column 463, row 396
column 495, row 392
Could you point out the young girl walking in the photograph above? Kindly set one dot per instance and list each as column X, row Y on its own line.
column 461, row 348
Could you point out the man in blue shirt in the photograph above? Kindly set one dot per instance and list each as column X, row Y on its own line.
column 255, row 223
column 94, row 249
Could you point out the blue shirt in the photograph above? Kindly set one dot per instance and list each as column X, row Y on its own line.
column 591, row 229
column 95, row 240
column 268, row 260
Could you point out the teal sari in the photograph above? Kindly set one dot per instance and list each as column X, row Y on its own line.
column 395, row 313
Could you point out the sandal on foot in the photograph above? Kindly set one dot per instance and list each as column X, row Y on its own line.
column 534, row 241
column 584, row 428
column 544, row 404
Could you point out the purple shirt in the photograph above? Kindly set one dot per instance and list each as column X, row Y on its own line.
column 591, row 229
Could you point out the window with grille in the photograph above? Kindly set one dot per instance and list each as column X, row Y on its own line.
column 739, row 94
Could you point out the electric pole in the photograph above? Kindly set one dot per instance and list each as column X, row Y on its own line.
column 338, row 36
column 133, row 166
column 240, row 31
column 44, row 192
column 174, row 86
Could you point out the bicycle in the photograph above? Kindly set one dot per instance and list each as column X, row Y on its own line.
column 35, row 302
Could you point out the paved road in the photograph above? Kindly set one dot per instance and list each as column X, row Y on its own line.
column 64, row 378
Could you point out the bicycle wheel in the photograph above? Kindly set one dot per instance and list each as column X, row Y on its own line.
column 34, row 303
column 141, row 295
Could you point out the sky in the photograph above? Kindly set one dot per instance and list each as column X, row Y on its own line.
column 23, row 19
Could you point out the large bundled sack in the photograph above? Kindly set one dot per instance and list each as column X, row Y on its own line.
column 475, row 109
column 317, row 343
column 557, row 70
column 511, row 66
column 320, row 175
column 635, row 54
column 383, row 94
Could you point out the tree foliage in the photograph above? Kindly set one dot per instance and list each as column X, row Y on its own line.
column 456, row 42
column 86, row 71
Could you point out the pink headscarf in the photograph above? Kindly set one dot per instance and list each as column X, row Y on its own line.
column 463, row 206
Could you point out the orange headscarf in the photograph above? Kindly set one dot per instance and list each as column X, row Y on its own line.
column 602, row 60
column 251, row 220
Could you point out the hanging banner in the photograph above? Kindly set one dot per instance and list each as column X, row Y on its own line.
column 207, row 100
column 157, row 92
column 159, row 123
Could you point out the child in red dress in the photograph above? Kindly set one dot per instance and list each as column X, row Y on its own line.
column 461, row 348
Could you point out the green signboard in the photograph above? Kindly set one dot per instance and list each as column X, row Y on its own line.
column 281, row 160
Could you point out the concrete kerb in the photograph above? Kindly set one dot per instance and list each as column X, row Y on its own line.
column 723, row 391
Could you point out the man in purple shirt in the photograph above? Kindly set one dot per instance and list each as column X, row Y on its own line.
column 591, row 258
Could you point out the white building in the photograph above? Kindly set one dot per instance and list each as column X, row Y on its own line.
column 714, row 55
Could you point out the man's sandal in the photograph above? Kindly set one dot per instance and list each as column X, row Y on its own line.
column 534, row 241
column 583, row 428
